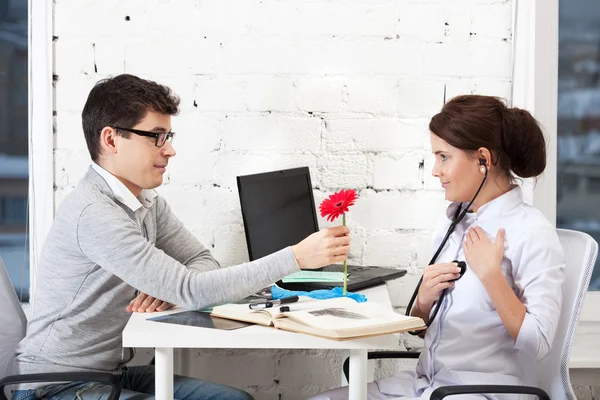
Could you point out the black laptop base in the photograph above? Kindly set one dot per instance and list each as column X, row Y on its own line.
column 358, row 278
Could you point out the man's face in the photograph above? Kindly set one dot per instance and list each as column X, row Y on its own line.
column 138, row 163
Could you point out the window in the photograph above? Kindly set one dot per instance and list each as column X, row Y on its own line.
column 578, row 165
column 14, row 169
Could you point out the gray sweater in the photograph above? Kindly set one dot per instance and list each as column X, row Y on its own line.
column 95, row 258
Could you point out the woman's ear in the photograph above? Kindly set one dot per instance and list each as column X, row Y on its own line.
column 485, row 157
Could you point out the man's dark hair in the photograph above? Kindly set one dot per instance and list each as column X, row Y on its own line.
column 123, row 101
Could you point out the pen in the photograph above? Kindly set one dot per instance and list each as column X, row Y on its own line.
column 271, row 303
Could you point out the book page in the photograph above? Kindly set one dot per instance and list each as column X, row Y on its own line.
column 347, row 316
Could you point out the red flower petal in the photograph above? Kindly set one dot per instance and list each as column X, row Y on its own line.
column 337, row 204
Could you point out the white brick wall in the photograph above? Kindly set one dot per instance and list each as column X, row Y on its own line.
column 345, row 87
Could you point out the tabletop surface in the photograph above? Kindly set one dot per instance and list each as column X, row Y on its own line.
column 142, row 333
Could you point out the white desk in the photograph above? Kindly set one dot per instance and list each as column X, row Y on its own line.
column 165, row 337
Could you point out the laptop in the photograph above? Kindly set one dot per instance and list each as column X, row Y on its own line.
column 278, row 209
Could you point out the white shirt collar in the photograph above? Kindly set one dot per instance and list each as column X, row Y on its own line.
column 123, row 194
column 500, row 204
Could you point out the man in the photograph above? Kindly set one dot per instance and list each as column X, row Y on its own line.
column 114, row 236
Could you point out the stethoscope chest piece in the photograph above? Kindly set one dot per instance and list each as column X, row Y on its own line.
column 463, row 268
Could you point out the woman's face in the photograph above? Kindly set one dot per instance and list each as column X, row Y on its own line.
column 458, row 172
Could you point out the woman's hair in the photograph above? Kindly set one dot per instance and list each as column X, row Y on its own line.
column 512, row 135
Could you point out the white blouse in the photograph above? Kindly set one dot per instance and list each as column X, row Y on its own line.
column 467, row 343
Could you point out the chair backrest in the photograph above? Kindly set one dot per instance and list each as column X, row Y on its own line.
column 12, row 321
column 580, row 254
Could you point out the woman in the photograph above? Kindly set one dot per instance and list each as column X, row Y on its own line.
column 500, row 317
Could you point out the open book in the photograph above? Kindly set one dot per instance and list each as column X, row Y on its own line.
column 339, row 318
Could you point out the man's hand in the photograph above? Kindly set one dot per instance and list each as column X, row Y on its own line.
column 328, row 246
column 145, row 303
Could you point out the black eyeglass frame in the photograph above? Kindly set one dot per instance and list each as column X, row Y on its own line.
column 156, row 135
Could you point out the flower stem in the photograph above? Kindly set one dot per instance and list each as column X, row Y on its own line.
column 345, row 264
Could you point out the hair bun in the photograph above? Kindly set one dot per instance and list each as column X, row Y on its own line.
column 522, row 141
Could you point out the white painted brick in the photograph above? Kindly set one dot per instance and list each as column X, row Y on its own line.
column 373, row 134
column 194, row 168
column 368, row 57
column 230, row 245
column 231, row 165
column 70, row 166
column 69, row 132
column 493, row 20
column 270, row 94
column 272, row 133
column 502, row 89
column 319, row 94
column 424, row 246
column 337, row 19
column 162, row 19
column 459, row 18
column 401, row 289
column 71, row 91
column 376, row 96
column 398, row 172
column 216, row 94
column 221, row 366
column 223, row 19
column 374, row 73
column 389, row 249
column 491, row 59
column 176, row 57
column 431, row 182
column 83, row 63
column 448, row 59
column 421, row 21
column 482, row 87
column 344, row 172
column 387, row 367
column 324, row 57
column 404, row 210
column 303, row 381
column 184, row 87
column 197, row 132
column 109, row 56
column 420, row 98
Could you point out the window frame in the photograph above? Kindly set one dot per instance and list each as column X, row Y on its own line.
column 535, row 88
column 40, row 135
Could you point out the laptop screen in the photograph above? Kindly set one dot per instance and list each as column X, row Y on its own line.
column 278, row 209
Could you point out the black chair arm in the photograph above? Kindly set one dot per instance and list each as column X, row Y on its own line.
column 374, row 355
column 444, row 391
column 111, row 378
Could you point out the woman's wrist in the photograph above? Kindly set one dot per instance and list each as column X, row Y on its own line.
column 491, row 277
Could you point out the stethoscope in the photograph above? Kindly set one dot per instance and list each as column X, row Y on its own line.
column 459, row 215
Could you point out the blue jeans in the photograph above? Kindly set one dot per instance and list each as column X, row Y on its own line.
column 137, row 383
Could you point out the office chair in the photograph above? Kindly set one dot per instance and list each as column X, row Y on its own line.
column 580, row 255
column 14, row 326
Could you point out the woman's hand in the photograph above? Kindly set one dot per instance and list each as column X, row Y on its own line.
column 436, row 277
column 483, row 256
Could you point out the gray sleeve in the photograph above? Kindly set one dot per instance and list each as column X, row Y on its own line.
column 108, row 237
column 173, row 238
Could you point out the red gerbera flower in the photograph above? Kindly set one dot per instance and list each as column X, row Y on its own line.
column 337, row 204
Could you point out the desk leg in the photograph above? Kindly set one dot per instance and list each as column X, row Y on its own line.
column 163, row 373
column 357, row 387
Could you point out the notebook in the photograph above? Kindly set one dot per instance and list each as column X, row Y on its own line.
column 278, row 210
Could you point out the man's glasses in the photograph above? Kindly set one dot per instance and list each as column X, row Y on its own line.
column 161, row 137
